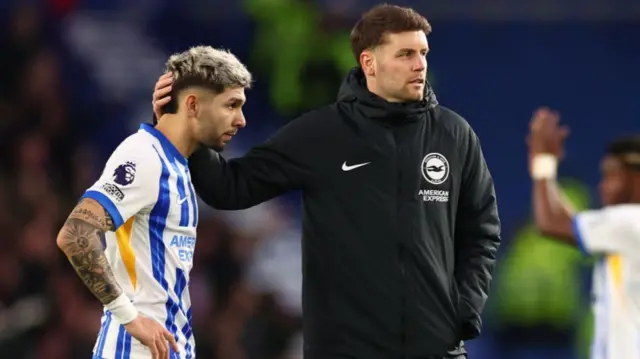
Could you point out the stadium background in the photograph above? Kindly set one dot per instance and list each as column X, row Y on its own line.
column 77, row 76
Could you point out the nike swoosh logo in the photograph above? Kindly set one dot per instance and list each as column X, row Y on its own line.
column 346, row 168
column 181, row 200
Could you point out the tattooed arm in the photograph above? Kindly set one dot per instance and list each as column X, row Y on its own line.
column 81, row 241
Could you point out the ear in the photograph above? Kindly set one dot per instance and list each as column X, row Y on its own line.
column 191, row 104
column 367, row 62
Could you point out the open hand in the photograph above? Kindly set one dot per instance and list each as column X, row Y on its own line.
column 161, row 93
column 153, row 335
column 546, row 136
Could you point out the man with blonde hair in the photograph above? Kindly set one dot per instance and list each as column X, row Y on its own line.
column 144, row 209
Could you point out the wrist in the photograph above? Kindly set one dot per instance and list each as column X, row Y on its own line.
column 123, row 311
column 544, row 166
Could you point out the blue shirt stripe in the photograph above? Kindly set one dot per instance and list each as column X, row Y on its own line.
column 186, row 331
column 103, row 333
column 194, row 200
column 157, row 224
column 181, row 284
column 120, row 343
column 127, row 346
column 184, row 206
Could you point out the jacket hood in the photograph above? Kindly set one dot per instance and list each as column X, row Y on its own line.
column 354, row 90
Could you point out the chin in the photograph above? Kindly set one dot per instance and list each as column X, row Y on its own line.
column 216, row 146
column 412, row 97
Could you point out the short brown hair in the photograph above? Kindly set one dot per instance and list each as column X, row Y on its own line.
column 372, row 27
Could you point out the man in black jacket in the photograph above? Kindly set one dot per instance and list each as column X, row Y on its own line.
column 400, row 225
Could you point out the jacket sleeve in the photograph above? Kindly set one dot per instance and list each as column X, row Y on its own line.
column 266, row 171
column 477, row 238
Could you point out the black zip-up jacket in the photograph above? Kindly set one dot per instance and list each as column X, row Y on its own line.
column 400, row 224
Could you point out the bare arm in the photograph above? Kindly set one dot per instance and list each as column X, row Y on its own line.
column 81, row 241
column 552, row 213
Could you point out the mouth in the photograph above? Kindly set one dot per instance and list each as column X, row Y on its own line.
column 228, row 136
column 418, row 81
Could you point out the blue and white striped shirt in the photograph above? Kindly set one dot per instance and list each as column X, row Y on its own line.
column 146, row 189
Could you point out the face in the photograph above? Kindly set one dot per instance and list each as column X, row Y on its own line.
column 397, row 69
column 217, row 117
column 615, row 182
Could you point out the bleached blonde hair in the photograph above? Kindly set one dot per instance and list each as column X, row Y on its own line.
column 215, row 69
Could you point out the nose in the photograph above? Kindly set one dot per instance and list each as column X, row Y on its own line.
column 240, row 121
column 420, row 64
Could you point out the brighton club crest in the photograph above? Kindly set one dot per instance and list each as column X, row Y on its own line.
column 435, row 168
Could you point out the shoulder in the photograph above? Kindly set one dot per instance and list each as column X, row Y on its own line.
column 306, row 127
column 623, row 213
column 619, row 217
column 135, row 156
column 317, row 117
column 457, row 127
column 619, row 222
column 452, row 121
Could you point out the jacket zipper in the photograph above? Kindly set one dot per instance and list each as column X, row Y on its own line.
column 403, row 319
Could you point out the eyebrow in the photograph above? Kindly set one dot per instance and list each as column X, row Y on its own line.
column 410, row 50
column 236, row 99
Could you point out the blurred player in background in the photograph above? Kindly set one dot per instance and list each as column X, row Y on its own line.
column 144, row 209
column 612, row 233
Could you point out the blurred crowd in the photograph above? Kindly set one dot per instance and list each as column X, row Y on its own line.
column 247, row 270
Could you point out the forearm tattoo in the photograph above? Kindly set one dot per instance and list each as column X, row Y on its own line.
column 81, row 241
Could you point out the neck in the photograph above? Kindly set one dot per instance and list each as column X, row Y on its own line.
column 176, row 130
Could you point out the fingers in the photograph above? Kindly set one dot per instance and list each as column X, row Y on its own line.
column 154, row 351
column 164, row 81
column 172, row 341
column 161, row 346
column 161, row 102
column 162, row 92
column 544, row 119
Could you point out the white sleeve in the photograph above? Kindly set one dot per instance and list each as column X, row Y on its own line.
column 609, row 230
column 129, row 181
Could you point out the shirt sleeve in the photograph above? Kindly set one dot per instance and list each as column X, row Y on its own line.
column 609, row 230
column 129, row 181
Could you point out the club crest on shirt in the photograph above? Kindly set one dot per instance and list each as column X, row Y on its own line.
column 125, row 173
column 435, row 168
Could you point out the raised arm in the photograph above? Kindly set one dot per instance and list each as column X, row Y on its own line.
column 477, row 238
column 553, row 214
column 279, row 165
column 268, row 170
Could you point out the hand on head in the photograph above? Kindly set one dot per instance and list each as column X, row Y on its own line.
column 161, row 93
